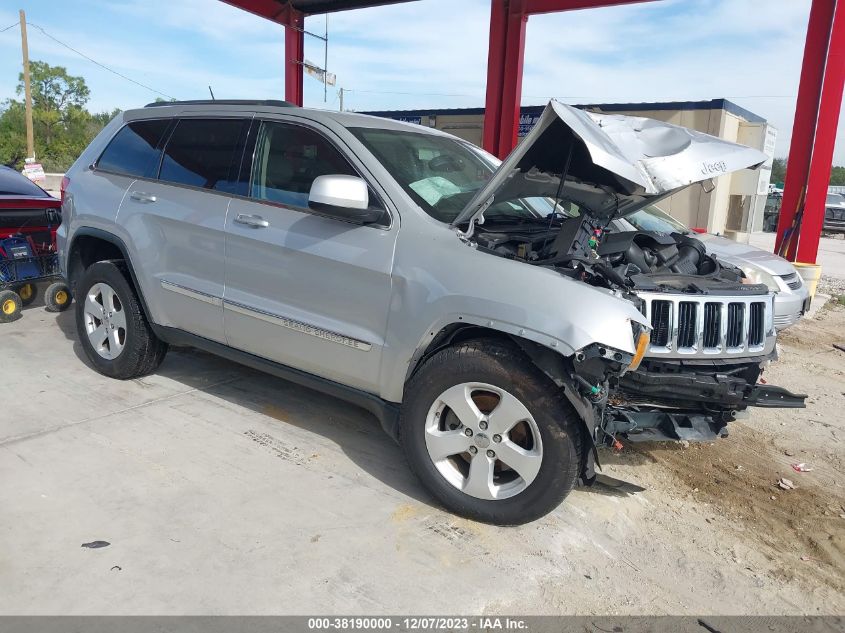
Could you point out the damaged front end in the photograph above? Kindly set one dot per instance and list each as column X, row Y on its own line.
column 552, row 203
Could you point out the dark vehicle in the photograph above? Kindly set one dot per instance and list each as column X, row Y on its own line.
column 834, row 213
column 29, row 217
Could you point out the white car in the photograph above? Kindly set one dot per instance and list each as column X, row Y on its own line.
column 792, row 298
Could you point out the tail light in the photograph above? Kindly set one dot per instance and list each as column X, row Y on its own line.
column 63, row 187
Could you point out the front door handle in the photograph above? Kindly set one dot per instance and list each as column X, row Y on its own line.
column 254, row 221
column 140, row 196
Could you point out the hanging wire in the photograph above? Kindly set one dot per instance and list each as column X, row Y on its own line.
column 103, row 66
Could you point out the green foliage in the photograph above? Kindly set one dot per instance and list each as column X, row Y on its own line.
column 62, row 126
column 837, row 174
column 778, row 171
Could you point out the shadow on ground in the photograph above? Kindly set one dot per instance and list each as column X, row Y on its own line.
column 355, row 431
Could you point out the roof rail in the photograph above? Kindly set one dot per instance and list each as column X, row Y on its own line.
column 241, row 102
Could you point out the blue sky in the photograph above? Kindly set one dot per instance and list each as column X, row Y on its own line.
column 431, row 53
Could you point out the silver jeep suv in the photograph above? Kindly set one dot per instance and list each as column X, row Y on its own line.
column 491, row 318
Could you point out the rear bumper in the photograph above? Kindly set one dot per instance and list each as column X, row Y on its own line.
column 833, row 226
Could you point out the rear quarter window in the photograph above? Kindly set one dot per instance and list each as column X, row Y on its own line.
column 134, row 150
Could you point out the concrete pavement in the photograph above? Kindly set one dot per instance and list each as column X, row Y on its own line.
column 221, row 490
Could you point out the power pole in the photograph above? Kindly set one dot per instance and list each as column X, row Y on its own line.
column 30, row 140
column 341, row 99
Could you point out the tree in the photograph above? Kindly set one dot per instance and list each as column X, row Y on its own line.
column 53, row 89
column 62, row 125
column 778, row 171
column 837, row 176
column 58, row 100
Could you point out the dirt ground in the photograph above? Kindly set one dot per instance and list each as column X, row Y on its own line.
column 794, row 537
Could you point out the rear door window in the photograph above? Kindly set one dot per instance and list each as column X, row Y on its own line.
column 134, row 151
column 205, row 153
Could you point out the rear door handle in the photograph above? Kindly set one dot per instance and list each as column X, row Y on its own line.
column 140, row 196
column 254, row 221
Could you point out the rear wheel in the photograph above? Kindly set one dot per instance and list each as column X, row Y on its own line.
column 10, row 306
column 27, row 293
column 489, row 435
column 112, row 327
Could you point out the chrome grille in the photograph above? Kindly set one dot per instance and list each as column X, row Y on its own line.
column 687, row 328
column 712, row 325
column 792, row 280
column 660, row 313
column 736, row 312
column 707, row 326
column 756, row 335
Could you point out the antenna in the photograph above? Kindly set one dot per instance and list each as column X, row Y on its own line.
column 211, row 93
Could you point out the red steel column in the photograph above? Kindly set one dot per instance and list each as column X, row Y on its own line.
column 495, row 74
column 828, row 121
column 294, row 55
column 806, row 113
column 504, row 76
column 512, row 79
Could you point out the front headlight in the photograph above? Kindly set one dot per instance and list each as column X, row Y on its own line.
column 757, row 276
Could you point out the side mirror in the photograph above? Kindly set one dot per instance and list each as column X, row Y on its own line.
column 342, row 197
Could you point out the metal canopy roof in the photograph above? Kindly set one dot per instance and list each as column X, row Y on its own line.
column 274, row 9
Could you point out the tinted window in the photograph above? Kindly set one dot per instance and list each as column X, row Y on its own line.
column 13, row 183
column 204, row 153
column 133, row 149
column 287, row 160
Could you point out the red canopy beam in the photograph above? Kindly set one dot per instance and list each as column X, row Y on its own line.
column 505, row 56
column 806, row 116
column 294, row 22
column 825, row 140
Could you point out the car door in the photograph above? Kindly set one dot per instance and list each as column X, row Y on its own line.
column 302, row 289
column 178, row 223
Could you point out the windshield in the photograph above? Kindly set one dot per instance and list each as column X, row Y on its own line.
column 651, row 218
column 835, row 198
column 442, row 174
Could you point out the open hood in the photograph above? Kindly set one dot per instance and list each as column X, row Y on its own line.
column 613, row 164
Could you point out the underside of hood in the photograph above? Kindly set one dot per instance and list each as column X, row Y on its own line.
column 611, row 165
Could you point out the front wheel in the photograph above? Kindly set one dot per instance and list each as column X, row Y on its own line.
column 111, row 324
column 489, row 435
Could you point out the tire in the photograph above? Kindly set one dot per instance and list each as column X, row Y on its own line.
column 27, row 293
column 504, row 385
column 118, row 341
column 57, row 297
column 10, row 306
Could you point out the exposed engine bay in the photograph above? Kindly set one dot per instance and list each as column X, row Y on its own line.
column 664, row 399
column 584, row 248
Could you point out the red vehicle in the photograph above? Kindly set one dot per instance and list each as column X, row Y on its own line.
column 29, row 217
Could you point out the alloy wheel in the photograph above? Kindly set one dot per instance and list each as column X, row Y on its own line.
column 483, row 441
column 105, row 321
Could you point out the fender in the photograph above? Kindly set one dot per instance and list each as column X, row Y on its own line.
column 114, row 240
